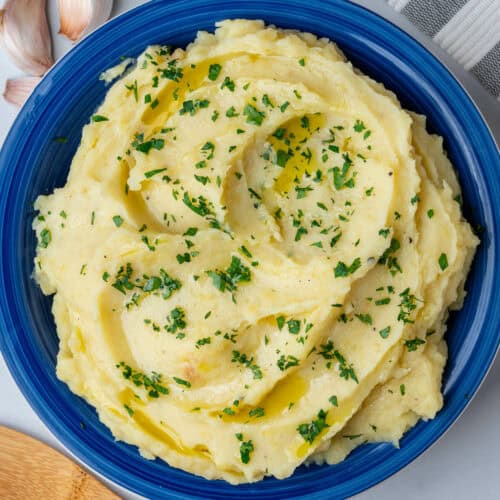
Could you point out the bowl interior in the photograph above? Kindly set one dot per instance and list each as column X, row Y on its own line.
column 36, row 159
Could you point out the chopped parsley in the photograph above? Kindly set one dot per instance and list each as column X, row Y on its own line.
column 257, row 412
column 329, row 353
column 284, row 106
column 311, row 431
column 246, row 448
column 145, row 147
column 413, row 344
column 182, row 258
column 192, row 106
column 45, row 238
column 151, row 173
column 99, row 118
column 285, row 362
column 202, row 179
column 384, row 333
column 122, row 279
column 208, row 149
column 388, row 259
column 293, row 326
column 146, row 241
column 280, row 321
column 228, row 83
column 200, row 205
column 254, row 116
column 203, row 341
column 364, row 318
column 266, row 101
column 152, row 383
column 443, row 261
column 302, row 191
column 359, row 126
column 231, row 112
column 229, row 279
column 341, row 177
column 300, row 232
column 254, row 194
column 214, row 71
column 335, row 239
column 172, row 72
column 282, row 157
column 244, row 250
column 342, row 270
column 133, row 87
column 244, row 360
column 164, row 283
column 406, row 307
column 118, row 220
column 181, row 381
column 176, row 320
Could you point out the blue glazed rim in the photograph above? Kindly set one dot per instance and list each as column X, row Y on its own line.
column 381, row 50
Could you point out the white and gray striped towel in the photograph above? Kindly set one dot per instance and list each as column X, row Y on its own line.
column 468, row 29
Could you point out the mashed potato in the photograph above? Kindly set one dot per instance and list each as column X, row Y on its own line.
column 253, row 257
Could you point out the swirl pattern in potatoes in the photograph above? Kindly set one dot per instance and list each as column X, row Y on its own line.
column 253, row 258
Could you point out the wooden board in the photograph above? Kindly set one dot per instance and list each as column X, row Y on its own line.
column 29, row 469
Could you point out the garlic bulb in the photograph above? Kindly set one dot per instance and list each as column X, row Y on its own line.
column 80, row 17
column 18, row 90
column 24, row 32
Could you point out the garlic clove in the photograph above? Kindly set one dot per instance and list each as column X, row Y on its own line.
column 18, row 90
column 25, row 34
column 80, row 17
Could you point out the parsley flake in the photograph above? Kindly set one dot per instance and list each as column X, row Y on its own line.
column 311, row 431
column 45, row 238
column 254, row 116
column 214, row 71
column 246, row 448
column 443, row 261
column 118, row 220
column 342, row 270
column 229, row 279
column 413, row 344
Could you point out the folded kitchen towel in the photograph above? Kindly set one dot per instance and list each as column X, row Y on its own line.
column 469, row 30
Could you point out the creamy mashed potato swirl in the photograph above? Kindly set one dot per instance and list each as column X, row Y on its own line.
column 253, row 257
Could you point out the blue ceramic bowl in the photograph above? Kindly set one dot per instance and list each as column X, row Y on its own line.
column 32, row 162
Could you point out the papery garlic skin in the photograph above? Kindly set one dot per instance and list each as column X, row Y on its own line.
column 17, row 90
column 24, row 32
column 80, row 17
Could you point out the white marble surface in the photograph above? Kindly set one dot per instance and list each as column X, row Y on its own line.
column 464, row 464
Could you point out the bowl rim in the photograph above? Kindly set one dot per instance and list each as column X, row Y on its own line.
column 72, row 443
